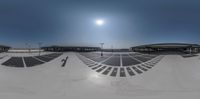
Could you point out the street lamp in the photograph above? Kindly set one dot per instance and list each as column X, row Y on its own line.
column 101, row 48
column 112, row 48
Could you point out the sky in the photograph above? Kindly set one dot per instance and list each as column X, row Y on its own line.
column 72, row 22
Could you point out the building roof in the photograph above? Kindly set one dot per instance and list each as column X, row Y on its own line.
column 168, row 45
column 4, row 46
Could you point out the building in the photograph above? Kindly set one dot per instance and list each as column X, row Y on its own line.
column 4, row 48
column 168, row 47
column 116, row 50
column 70, row 48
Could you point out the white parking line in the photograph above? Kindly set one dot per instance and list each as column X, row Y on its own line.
column 121, row 60
column 24, row 62
column 106, row 59
column 135, row 58
column 39, row 59
column 96, row 57
column 88, row 58
column 47, row 56
column 144, row 55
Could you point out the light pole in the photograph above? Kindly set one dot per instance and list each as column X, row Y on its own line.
column 100, row 22
column 112, row 48
column 101, row 49
column 39, row 45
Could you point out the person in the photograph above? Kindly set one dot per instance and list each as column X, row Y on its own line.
column 64, row 61
column 66, row 58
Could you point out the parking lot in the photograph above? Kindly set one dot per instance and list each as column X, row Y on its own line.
column 127, row 59
column 30, row 61
column 119, row 64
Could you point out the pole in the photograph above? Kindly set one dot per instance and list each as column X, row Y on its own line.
column 112, row 48
column 101, row 49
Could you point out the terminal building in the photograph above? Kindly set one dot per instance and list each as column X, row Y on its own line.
column 168, row 47
column 70, row 48
column 4, row 48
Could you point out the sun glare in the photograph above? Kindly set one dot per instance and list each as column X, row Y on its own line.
column 99, row 22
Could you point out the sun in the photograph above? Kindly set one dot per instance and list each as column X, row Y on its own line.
column 99, row 22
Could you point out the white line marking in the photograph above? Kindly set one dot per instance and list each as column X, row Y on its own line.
column 39, row 59
column 96, row 57
column 135, row 58
column 47, row 56
column 24, row 62
column 106, row 59
column 88, row 59
column 121, row 60
column 143, row 56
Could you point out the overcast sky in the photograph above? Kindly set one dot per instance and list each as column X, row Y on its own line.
column 72, row 22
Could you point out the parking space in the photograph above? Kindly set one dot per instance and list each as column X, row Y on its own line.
column 114, row 72
column 91, row 55
column 102, row 68
column 30, row 61
column 130, row 72
column 122, row 72
column 96, row 67
column 46, row 59
column 14, row 62
column 137, row 70
column 127, row 61
column 113, row 61
column 107, row 71
column 143, row 59
column 99, row 59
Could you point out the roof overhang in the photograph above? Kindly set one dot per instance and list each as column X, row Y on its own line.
column 4, row 46
column 169, row 45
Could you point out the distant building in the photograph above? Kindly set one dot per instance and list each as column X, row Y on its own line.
column 70, row 48
column 176, row 47
column 4, row 48
column 116, row 50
